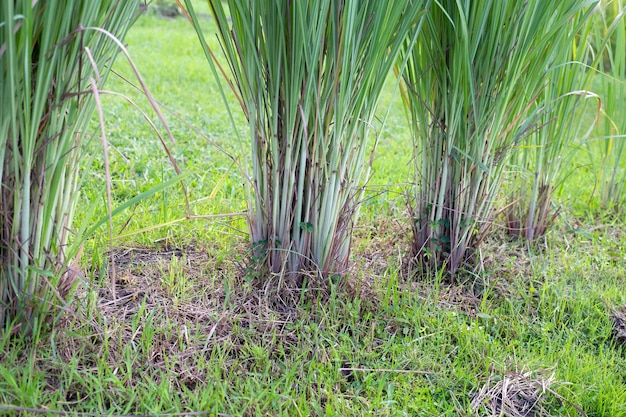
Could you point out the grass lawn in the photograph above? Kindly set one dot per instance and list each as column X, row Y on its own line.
column 187, row 326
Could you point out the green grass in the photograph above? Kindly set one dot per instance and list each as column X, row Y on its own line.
column 192, row 331
column 176, row 73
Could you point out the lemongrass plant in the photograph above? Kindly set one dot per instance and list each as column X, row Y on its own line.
column 472, row 81
column 47, row 55
column 308, row 75
column 543, row 161
column 610, row 35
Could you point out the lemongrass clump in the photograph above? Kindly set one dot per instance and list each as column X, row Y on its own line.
column 308, row 75
column 542, row 162
column 609, row 32
column 472, row 81
column 47, row 56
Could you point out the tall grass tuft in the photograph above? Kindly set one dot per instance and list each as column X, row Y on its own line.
column 474, row 78
column 543, row 161
column 609, row 33
column 50, row 61
column 308, row 75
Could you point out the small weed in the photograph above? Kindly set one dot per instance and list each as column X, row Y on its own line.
column 174, row 279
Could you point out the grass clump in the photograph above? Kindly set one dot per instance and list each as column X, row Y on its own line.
column 609, row 31
column 543, row 159
column 473, row 81
column 308, row 78
column 51, row 58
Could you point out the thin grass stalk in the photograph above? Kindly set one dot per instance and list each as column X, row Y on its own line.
column 472, row 81
column 309, row 74
column 45, row 109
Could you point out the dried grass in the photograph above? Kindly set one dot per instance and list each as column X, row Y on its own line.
column 223, row 305
column 212, row 313
column 519, row 394
column 618, row 317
